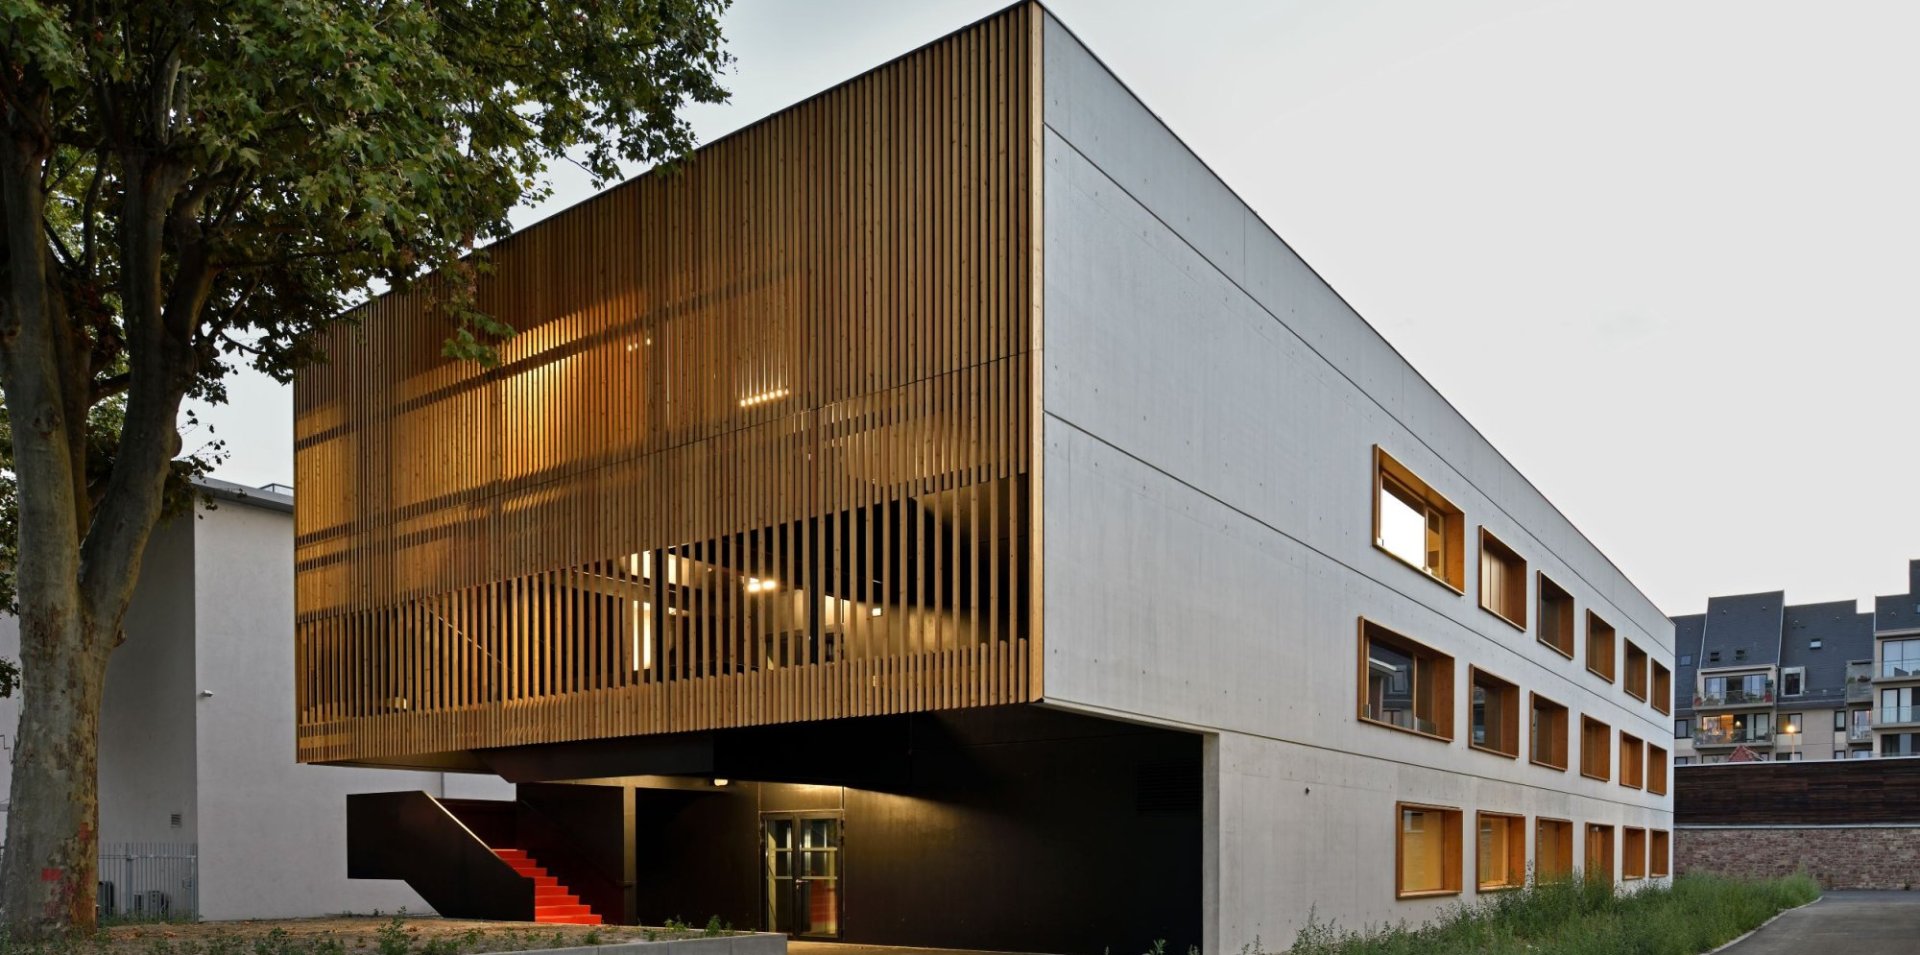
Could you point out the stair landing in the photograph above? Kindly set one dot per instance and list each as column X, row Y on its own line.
column 552, row 901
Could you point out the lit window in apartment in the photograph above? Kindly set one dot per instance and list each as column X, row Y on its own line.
column 1660, row 853
column 1549, row 733
column 1503, row 580
column 1556, row 617
column 1793, row 681
column 1403, row 684
column 1633, row 853
column 1662, row 688
column 1600, row 648
column 1415, row 523
column 1633, row 755
column 1656, row 770
column 1599, row 861
column 1552, row 849
column 1501, row 851
column 1428, row 847
column 1596, row 749
column 1899, row 659
column 1496, row 714
column 1636, row 682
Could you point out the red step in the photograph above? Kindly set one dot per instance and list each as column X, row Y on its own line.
column 552, row 902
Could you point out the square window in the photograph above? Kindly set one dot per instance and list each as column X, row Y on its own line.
column 1403, row 684
column 1500, row 852
column 1414, row 523
column 1552, row 850
column 1659, row 852
column 1636, row 681
column 1600, row 648
column 1496, row 714
column 1599, row 862
column 1656, row 770
column 1503, row 580
column 1633, row 853
column 1556, row 617
column 1662, row 688
column 1427, row 847
column 1549, row 733
column 1633, row 754
column 1596, row 749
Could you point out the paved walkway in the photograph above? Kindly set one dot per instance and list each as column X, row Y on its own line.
column 1843, row 923
column 841, row 948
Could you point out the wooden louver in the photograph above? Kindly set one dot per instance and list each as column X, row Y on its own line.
column 762, row 449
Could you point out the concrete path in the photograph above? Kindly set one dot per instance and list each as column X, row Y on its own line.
column 841, row 948
column 1842, row 923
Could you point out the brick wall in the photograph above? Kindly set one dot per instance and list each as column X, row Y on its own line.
column 1840, row 857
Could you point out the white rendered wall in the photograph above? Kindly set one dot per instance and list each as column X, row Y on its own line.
column 147, row 712
column 1209, row 411
column 273, row 832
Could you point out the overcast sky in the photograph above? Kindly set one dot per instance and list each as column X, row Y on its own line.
column 1661, row 254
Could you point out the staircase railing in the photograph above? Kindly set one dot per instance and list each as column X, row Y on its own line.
column 412, row 837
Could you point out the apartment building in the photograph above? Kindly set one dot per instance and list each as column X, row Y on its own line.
column 943, row 514
column 1895, row 682
column 1765, row 680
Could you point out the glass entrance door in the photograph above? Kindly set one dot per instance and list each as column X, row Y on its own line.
column 802, row 870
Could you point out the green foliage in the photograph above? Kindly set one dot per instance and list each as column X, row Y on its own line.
column 220, row 183
column 716, row 928
column 394, row 938
column 1579, row 918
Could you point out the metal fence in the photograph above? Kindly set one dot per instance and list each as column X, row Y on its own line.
column 148, row 881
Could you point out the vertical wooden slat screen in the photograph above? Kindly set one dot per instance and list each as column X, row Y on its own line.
column 761, row 451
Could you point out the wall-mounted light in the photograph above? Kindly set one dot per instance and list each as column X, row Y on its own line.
column 757, row 586
column 721, row 782
column 875, row 612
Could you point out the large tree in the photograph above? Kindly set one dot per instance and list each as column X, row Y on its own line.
column 188, row 186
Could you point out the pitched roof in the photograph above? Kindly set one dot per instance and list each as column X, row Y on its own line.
column 1842, row 633
column 1743, row 630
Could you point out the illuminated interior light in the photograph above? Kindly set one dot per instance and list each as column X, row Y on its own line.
column 875, row 612
column 763, row 397
column 643, row 635
column 757, row 586
column 721, row 782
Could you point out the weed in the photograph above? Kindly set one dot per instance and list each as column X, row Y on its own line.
column 716, row 928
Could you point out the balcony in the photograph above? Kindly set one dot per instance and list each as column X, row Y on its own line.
column 1735, row 696
column 1859, row 734
column 1717, row 736
column 1900, row 669
column 1895, row 715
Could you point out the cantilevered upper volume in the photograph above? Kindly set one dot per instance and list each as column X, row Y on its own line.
column 956, row 444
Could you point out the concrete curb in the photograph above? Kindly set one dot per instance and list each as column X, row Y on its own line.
column 745, row 943
column 1750, row 932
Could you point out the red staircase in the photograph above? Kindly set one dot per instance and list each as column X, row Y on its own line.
column 551, row 900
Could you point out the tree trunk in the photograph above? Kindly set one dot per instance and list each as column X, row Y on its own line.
column 52, row 848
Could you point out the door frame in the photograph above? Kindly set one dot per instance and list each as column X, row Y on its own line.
column 840, row 867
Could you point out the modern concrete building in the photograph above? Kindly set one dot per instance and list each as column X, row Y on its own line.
column 946, row 515
column 201, row 806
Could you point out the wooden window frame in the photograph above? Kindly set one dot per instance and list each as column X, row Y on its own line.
column 1452, row 574
column 1516, row 851
column 1659, row 853
column 1563, row 849
column 1657, row 770
column 1509, row 744
column 1563, row 747
column 1443, row 678
column 1586, row 754
column 1637, row 673
column 1612, row 647
column 1495, row 550
column 1565, row 612
column 1607, row 833
column 1450, row 847
column 1633, row 761
column 1661, row 686
column 1633, row 862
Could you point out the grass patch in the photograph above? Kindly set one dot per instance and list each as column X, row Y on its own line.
column 1580, row 918
column 353, row 935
